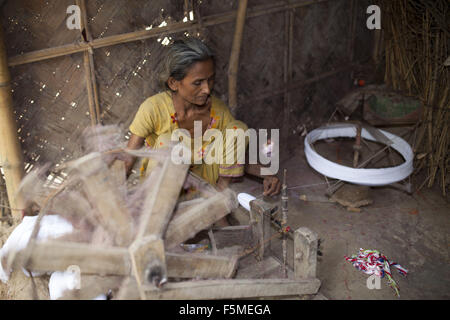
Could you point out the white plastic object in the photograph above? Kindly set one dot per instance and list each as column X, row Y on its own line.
column 244, row 200
column 60, row 282
column 361, row 176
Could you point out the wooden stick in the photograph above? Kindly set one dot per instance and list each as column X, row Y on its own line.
column 287, row 77
column 56, row 255
column 225, row 289
column 332, row 189
column 213, row 241
column 199, row 217
column 377, row 34
column 234, row 57
column 147, row 250
column 351, row 45
column 90, row 93
column 106, row 197
column 89, row 68
column 284, row 220
column 11, row 159
column 161, row 201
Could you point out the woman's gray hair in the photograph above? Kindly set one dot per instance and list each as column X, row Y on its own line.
column 182, row 54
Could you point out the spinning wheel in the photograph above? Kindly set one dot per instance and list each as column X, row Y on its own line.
column 126, row 241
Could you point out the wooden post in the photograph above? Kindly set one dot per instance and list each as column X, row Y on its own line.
column 357, row 145
column 260, row 221
column 234, row 57
column 147, row 251
column 287, row 78
column 10, row 151
column 377, row 45
column 351, row 43
column 161, row 201
column 305, row 253
column 90, row 93
column 89, row 68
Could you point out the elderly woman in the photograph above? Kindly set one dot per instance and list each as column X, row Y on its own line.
column 188, row 77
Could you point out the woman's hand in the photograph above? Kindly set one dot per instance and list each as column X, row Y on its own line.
column 272, row 185
column 134, row 143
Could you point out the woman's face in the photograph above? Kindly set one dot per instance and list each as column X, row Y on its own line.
column 198, row 83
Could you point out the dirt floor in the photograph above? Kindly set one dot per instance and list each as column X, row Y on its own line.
column 411, row 230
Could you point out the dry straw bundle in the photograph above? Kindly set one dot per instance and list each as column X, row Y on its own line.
column 416, row 34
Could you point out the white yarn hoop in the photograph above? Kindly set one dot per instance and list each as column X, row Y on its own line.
column 368, row 177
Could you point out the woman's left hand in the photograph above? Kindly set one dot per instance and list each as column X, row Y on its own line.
column 272, row 185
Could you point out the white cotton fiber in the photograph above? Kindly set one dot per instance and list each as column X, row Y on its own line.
column 52, row 226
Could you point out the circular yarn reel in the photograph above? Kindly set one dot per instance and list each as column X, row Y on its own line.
column 361, row 176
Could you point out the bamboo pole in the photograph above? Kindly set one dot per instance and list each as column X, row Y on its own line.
column 198, row 16
column 89, row 68
column 351, row 44
column 377, row 43
column 289, row 32
column 10, row 150
column 90, row 93
column 234, row 57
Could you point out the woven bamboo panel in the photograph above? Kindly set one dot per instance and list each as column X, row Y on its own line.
column 35, row 25
column 52, row 111
column 112, row 17
column 126, row 77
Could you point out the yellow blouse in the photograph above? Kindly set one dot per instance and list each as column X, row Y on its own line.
column 156, row 119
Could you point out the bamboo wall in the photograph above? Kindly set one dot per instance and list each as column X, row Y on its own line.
column 295, row 62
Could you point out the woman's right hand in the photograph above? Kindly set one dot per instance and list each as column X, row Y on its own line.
column 134, row 143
